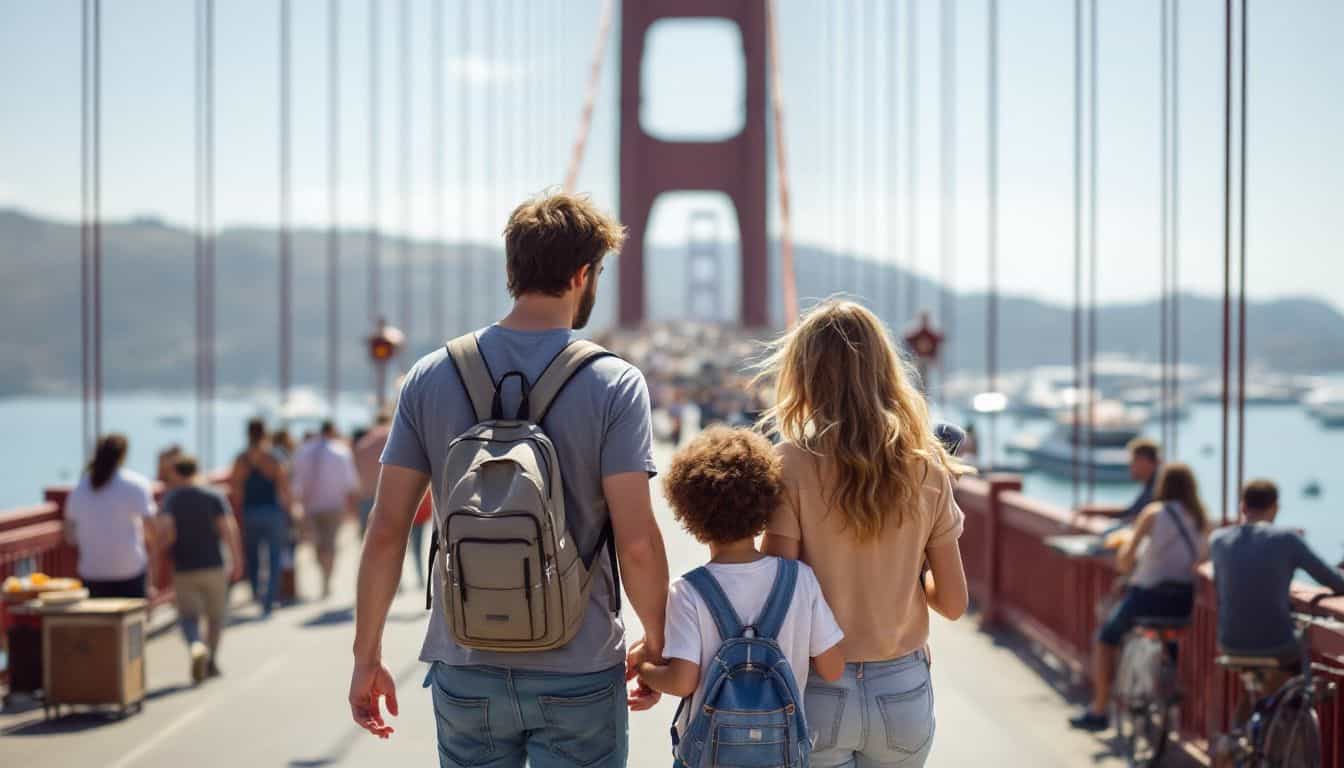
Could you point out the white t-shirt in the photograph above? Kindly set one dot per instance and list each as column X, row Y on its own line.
column 809, row 628
column 109, row 525
column 324, row 475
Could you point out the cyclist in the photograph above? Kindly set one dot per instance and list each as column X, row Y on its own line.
column 1253, row 568
column 1159, row 559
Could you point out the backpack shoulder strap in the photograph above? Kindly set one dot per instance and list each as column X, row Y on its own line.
column 576, row 356
column 1180, row 528
column 474, row 373
column 777, row 604
column 725, row 617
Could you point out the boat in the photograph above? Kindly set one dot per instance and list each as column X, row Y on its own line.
column 1326, row 405
column 1106, row 460
column 171, row 420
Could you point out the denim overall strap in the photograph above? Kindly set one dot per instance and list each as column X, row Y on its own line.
column 777, row 604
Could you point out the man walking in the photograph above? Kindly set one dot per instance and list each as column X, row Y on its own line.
column 326, row 485
column 560, row 707
column 196, row 519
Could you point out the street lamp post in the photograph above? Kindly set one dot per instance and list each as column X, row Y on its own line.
column 383, row 346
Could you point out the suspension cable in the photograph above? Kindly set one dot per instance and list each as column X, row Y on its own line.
column 912, row 152
column 375, row 245
column 437, row 140
column 286, row 243
column 407, row 308
column 466, row 285
column 1241, row 268
column 947, row 298
column 1078, row 108
column 1227, row 252
column 1164, row 400
column 334, row 206
column 992, row 315
column 204, row 236
column 830, row 141
column 91, row 256
column 1092, row 253
column 1175, row 222
column 590, row 95
column 787, row 277
column 891, row 264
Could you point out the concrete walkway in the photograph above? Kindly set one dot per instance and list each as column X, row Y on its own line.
column 281, row 701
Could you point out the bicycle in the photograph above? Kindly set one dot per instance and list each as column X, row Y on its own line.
column 1282, row 729
column 1147, row 688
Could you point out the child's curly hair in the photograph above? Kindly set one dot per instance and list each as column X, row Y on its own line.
column 724, row 485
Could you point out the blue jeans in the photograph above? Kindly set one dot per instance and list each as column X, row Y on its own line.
column 264, row 525
column 496, row 717
column 877, row 713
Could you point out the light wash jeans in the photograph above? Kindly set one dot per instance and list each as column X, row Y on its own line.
column 497, row 717
column 878, row 713
column 264, row 526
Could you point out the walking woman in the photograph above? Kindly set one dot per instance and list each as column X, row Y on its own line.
column 105, row 519
column 1169, row 539
column 869, row 506
column 261, row 487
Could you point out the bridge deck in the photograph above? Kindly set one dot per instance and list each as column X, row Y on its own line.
column 281, row 701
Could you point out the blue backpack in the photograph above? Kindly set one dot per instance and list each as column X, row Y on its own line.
column 751, row 714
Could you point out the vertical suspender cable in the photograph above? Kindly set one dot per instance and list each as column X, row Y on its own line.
column 334, row 206
column 1227, row 251
column 1175, row 224
column 91, row 337
column 97, row 192
column 404, row 178
column 912, row 154
column 489, row 168
column 857, row 153
column 375, row 165
column 436, row 322
column 208, row 251
column 876, row 263
column 286, row 244
column 466, row 285
column 947, row 298
column 1241, row 267
column 198, row 258
column 1092, row 249
column 87, row 435
column 1164, row 400
column 787, row 277
column 1078, row 107
column 992, row 313
column 830, row 141
column 891, row 299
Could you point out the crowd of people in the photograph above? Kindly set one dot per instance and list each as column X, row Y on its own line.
column 812, row 474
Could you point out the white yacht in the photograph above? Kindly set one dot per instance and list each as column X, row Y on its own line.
column 1106, row 458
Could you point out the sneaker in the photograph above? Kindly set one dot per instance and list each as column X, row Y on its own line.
column 200, row 661
column 1090, row 721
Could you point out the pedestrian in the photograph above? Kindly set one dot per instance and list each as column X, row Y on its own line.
column 368, row 448
column 326, row 485
column 563, row 705
column 867, row 503
column 723, row 488
column 260, row 486
column 195, row 520
column 1158, row 565
column 105, row 520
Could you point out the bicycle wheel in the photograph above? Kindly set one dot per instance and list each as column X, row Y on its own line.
column 1293, row 735
column 1143, row 725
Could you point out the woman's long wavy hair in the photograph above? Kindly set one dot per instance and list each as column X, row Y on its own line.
column 844, row 393
column 1176, row 482
column 108, row 455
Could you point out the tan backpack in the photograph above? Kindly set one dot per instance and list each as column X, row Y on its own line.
column 511, row 577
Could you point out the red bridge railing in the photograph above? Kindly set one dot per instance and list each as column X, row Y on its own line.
column 1021, row 584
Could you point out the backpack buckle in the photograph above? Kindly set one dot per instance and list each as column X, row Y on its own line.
column 749, row 631
column 788, row 709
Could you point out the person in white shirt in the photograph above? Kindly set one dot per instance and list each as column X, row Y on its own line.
column 326, row 484
column 104, row 520
column 723, row 487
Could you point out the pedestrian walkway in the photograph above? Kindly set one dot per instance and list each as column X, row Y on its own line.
column 281, row 701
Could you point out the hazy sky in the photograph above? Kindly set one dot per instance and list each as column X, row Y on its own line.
column 844, row 194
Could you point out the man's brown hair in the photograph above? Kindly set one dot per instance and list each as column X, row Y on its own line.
column 724, row 485
column 1145, row 448
column 551, row 237
column 1260, row 495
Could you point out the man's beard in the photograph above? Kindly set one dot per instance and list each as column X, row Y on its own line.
column 586, row 302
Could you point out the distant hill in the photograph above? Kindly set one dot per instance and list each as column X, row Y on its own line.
column 149, row 297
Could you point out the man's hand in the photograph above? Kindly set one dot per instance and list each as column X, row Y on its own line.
column 370, row 682
column 641, row 697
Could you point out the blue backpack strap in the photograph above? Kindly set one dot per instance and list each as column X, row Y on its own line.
column 777, row 604
column 719, row 607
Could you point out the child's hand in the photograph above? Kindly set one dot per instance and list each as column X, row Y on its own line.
column 641, row 697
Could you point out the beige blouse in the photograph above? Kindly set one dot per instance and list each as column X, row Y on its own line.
column 872, row 586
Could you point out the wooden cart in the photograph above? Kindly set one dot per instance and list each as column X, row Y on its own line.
column 93, row 653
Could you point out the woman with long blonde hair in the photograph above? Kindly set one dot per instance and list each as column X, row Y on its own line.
column 869, row 506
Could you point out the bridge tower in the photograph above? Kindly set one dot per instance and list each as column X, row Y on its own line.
column 735, row 166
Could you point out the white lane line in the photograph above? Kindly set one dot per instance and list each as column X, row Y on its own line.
column 250, row 681
column 154, row 741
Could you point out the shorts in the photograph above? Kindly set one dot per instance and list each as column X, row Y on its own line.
column 324, row 525
column 1168, row 601
column 203, row 593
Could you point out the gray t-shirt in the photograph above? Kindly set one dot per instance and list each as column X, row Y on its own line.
column 1253, row 566
column 600, row 425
